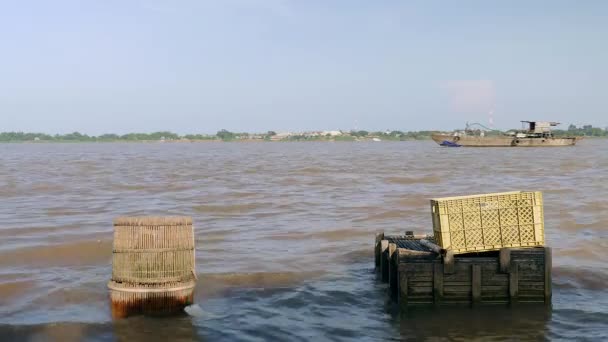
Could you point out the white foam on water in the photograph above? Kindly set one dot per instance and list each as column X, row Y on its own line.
column 195, row 310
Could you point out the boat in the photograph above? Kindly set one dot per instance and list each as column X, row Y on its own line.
column 448, row 143
column 534, row 134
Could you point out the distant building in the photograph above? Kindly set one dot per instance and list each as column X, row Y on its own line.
column 332, row 133
column 280, row 136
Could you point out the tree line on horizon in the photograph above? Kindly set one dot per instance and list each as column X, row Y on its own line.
column 585, row 130
column 222, row 135
column 225, row 135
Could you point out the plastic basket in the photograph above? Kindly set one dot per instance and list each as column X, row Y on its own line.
column 489, row 222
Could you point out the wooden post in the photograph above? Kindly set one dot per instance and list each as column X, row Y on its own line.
column 384, row 260
column 548, row 265
column 505, row 260
column 437, row 283
column 392, row 269
column 402, row 293
column 379, row 237
column 514, row 283
column 391, row 249
column 448, row 262
column 476, row 283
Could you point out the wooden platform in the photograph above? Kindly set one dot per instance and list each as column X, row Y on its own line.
column 419, row 276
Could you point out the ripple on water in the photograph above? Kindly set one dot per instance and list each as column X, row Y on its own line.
column 329, row 235
column 67, row 254
column 230, row 209
column 581, row 277
column 414, row 180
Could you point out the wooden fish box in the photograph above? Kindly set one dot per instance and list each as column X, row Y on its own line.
column 419, row 276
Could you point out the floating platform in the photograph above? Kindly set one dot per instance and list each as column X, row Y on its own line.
column 420, row 275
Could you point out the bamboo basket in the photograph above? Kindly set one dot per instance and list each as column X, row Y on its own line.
column 153, row 265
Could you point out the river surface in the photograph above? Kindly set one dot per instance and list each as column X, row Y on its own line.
column 284, row 237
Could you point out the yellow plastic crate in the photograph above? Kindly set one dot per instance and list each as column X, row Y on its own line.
column 489, row 222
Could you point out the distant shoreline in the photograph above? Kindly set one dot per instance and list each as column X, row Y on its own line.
column 587, row 131
column 247, row 141
column 197, row 141
column 221, row 136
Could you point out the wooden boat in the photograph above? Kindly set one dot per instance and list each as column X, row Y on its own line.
column 537, row 134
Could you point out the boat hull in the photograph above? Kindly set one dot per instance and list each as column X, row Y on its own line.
column 503, row 141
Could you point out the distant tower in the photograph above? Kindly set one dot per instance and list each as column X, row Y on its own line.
column 491, row 119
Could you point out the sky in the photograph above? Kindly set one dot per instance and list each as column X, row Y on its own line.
column 188, row 66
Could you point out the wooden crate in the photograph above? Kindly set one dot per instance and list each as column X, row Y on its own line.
column 417, row 276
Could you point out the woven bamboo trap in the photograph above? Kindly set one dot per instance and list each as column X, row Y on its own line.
column 153, row 265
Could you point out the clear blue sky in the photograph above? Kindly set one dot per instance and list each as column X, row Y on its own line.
column 189, row 66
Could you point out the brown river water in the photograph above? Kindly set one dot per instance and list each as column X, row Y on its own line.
column 284, row 236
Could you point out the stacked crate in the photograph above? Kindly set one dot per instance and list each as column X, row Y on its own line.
column 485, row 249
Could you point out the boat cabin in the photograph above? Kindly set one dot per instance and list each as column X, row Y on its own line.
column 539, row 127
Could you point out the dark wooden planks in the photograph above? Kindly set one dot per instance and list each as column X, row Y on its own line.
column 420, row 278
column 548, row 263
column 476, row 283
column 438, row 283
